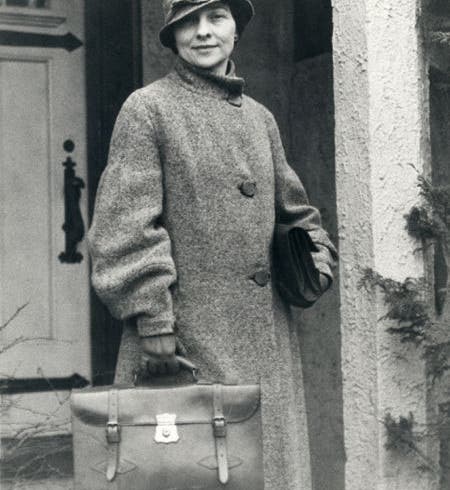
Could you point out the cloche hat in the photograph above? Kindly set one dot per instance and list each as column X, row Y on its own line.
column 175, row 10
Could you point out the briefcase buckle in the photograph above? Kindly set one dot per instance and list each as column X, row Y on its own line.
column 112, row 433
column 166, row 430
column 219, row 426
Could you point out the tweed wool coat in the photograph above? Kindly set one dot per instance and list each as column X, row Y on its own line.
column 182, row 233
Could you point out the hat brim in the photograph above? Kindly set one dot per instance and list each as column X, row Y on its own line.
column 242, row 11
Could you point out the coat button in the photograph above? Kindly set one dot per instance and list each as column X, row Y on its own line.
column 262, row 278
column 248, row 188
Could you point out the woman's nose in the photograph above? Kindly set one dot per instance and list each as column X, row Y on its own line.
column 203, row 28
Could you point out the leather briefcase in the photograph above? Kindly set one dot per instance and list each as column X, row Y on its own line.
column 296, row 276
column 200, row 436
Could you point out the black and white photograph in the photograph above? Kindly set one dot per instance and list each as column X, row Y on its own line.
column 225, row 244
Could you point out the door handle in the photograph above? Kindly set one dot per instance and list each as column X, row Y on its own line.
column 73, row 220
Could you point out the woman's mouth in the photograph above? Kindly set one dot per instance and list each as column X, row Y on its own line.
column 204, row 48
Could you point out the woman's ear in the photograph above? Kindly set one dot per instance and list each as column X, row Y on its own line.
column 236, row 38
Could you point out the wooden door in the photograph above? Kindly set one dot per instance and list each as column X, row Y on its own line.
column 42, row 105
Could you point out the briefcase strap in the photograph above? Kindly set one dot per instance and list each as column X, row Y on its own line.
column 220, row 432
column 113, row 434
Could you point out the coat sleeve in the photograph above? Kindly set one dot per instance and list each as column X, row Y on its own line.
column 132, row 265
column 293, row 207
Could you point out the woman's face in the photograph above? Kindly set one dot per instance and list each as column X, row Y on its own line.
column 206, row 37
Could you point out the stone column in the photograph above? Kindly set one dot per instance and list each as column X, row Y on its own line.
column 381, row 147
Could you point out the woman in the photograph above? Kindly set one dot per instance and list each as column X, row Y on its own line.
column 183, row 226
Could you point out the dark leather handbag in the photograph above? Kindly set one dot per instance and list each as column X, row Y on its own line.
column 296, row 276
column 199, row 436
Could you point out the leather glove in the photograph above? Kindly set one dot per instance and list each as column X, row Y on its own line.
column 324, row 262
column 325, row 282
column 158, row 355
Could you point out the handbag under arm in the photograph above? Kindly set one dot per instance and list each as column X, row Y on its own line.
column 296, row 276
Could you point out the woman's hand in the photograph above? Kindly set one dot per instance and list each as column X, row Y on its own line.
column 158, row 355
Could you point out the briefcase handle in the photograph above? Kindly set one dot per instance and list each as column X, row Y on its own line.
column 184, row 364
column 188, row 366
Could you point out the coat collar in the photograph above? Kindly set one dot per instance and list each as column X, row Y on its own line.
column 229, row 86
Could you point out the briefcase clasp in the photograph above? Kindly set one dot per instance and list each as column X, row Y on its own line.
column 166, row 430
column 112, row 433
column 219, row 426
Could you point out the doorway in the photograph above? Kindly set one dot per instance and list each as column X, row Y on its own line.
column 113, row 71
column 44, row 272
column 66, row 66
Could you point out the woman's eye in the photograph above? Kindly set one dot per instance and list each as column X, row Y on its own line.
column 218, row 16
column 187, row 21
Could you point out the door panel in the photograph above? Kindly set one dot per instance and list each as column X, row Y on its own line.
column 26, row 197
column 42, row 104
